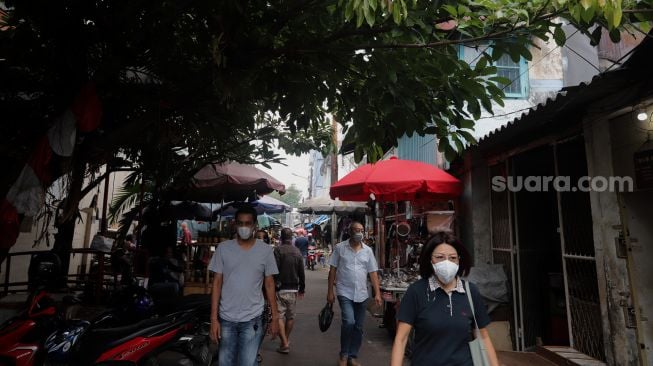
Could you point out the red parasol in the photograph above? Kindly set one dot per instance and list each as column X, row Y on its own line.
column 396, row 180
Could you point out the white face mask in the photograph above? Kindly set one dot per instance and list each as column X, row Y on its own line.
column 445, row 271
column 357, row 237
column 244, row 232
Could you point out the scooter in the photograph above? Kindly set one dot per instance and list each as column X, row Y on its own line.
column 21, row 337
column 311, row 258
column 176, row 333
column 176, row 338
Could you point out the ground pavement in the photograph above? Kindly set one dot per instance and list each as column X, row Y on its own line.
column 309, row 346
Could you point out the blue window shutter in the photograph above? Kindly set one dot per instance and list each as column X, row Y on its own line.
column 518, row 72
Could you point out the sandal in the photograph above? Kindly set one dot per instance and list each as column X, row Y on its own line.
column 284, row 350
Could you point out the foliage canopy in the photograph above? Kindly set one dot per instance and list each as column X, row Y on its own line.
column 187, row 82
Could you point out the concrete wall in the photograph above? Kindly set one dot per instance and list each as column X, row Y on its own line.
column 545, row 74
column 26, row 240
column 545, row 79
column 611, row 271
column 580, row 60
column 628, row 135
column 475, row 209
column 321, row 169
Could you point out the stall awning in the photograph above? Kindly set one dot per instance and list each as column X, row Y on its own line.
column 318, row 221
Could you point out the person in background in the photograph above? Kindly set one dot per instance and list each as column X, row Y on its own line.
column 165, row 274
column 263, row 235
column 438, row 308
column 351, row 262
column 130, row 245
column 186, row 237
column 242, row 266
column 290, row 286
column 301, row 242
column 122, row 260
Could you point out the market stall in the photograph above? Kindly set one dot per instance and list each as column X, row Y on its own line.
column 220, row 183
column 336, row 209
column 412, row 200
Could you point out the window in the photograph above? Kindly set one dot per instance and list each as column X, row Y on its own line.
column 506, row 67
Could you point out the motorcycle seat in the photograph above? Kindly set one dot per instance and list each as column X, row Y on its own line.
column 97, row 341
column 184, row 303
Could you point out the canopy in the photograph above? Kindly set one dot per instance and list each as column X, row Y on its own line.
column 396, row 180
column 187, row 210
column 317, row 221
column 228, row 182
column 325, row 205
column 264, row 204
column 265, row 220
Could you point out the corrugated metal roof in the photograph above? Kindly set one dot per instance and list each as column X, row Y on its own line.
column 622, row 86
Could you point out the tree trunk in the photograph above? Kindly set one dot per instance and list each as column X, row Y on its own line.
column 63, row 243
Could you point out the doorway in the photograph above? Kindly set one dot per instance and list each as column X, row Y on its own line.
column 542, row 302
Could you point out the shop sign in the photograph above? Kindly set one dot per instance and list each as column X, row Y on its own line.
column 643, row 169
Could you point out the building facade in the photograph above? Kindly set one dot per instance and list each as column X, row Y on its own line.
column 573, row 237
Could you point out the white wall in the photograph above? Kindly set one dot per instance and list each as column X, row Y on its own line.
column 26, row 240
column 321, row 169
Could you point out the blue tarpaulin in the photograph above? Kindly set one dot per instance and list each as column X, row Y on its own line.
column 317, row 221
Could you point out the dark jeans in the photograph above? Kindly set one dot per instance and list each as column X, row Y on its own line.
column 351, row 332
column 239, row 342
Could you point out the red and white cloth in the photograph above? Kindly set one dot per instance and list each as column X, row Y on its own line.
column 27, row 195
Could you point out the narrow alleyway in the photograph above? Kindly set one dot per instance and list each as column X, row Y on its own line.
column 309, row 346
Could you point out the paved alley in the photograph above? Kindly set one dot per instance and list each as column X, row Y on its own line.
column 309, row 346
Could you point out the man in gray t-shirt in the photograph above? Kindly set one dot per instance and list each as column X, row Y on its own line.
column 242, row 266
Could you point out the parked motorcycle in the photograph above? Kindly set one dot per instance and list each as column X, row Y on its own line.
column 175, row 334
column 21, row 337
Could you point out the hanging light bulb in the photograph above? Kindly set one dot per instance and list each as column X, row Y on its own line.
column 641, row 115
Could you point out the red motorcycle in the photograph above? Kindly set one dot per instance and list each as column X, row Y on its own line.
column 180, row 338
column 311, row 258
column 21, row 337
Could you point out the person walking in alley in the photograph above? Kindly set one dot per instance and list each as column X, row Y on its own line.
column 242, row 266
column 437, row 306
column 290, row 286
column 351, row 262
column 301, row 242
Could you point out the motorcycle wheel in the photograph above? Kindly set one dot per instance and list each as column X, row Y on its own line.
column 201, row 356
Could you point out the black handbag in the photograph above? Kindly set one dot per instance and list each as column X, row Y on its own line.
column 325, row 317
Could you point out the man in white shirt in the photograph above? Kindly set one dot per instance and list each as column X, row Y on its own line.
column 351, row 262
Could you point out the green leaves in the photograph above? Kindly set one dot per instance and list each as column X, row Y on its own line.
column 559, row 36
column 237, row 79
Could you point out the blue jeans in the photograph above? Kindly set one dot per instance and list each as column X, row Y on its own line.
column 351, row 332
column 239, row 342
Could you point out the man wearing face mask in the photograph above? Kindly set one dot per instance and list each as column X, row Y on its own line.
column 438, row 307
column 242, row 266
column 351, row 262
